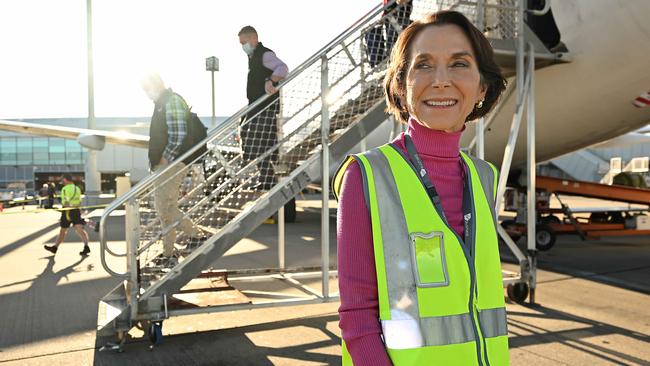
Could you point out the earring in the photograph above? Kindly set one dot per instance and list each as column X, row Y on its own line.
column 480, row 104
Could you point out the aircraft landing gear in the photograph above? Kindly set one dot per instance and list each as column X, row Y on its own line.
column 518, row 292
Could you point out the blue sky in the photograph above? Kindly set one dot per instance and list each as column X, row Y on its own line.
column 43, row 68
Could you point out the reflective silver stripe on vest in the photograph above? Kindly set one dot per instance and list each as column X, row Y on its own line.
column 433, row 331
column 493, row 322
column 402, row 295
column 486, row 176
column 405, row 332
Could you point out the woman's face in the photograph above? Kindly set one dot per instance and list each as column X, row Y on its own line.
column 442, row 80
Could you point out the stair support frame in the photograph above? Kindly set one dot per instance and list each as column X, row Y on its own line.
column 132, row 222
column 325, row 176
column 525, row 75
column 532, row 175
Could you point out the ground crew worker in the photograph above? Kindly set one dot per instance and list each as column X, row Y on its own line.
column 70, row 215
column 419, row 271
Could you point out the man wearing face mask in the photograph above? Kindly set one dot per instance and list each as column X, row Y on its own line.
column 259, row 128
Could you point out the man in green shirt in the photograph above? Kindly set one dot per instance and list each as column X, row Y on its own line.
column 70, row 215
column 168, row 129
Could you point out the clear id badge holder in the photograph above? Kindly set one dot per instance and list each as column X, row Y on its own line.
column 428, row 258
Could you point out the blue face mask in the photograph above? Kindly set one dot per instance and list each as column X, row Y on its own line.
column 248, row 48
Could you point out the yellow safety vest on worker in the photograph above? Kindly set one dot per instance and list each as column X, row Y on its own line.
column 70, row 195
column 441, row 301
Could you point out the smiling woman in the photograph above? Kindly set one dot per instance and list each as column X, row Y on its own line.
column 443, row 83
column 456, row 50
column 419, row 271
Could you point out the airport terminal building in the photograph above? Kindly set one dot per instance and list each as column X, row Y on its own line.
column 29, row 161
column 34, row 160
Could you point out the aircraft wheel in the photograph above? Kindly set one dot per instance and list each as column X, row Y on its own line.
column 518, row 292
column 544, row 237
column 551, row 219
column 155, row 332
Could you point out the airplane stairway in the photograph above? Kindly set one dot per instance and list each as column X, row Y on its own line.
column 331, row 102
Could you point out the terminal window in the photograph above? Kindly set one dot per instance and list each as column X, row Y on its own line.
column 17, row 151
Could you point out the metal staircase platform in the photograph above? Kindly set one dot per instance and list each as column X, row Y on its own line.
column 505, row 51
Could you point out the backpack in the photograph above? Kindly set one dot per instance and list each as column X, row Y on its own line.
column 196, row 132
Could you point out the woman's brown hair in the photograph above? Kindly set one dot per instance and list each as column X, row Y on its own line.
column 395, row 80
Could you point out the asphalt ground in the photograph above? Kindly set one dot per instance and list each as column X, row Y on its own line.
column 593, row 303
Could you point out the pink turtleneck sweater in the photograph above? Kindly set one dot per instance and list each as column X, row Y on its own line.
column 359, row 310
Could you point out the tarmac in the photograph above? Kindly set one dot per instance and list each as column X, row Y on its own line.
column 593, row 303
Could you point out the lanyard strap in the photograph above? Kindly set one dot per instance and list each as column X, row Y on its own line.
column 430, row 188
column 422, row 173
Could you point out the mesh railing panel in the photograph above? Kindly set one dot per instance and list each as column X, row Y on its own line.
column 499, row 20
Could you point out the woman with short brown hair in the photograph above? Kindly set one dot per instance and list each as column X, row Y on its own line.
column 419, row 271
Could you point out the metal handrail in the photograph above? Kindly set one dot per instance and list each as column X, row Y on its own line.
column 243, row 111
column 485, row 5
column 249, row 165
column 217, row 131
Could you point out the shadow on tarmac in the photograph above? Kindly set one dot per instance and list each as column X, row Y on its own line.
column 620, row 262
column 235, row 347
column 573, row 338
column 48, row 308
column 26, row 240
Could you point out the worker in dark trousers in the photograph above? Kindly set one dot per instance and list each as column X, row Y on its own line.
column 259, row 127
column 70, row 215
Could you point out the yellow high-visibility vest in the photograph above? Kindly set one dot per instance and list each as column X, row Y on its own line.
column 71, row 195
column 441, row 299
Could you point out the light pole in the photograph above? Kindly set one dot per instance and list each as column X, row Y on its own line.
column 212, row 65
column 91, row 173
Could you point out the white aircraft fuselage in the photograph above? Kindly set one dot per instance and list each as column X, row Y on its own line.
column 590, row 99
